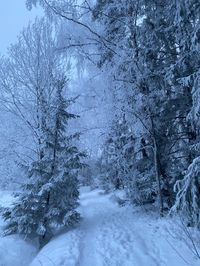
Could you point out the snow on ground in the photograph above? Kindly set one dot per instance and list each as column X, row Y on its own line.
column 6, row 199
column 14, row 251
column 110, row 235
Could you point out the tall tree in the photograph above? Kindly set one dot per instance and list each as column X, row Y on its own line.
column 142, row 32
column 187, row 70
column 26, row 78
column 50, row 197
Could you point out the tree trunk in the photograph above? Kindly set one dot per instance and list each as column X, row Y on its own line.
column 158, row 180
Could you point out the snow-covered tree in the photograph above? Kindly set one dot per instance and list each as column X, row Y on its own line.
column 143, row 35
column 187, row 198
column 148, row 54
column 117, row 155
column 50, row 197
column 26, row 78
column 187, row 71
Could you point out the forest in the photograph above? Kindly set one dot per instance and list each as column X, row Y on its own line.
column 100, row 104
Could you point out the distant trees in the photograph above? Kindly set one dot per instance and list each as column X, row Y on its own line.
column 115, row 161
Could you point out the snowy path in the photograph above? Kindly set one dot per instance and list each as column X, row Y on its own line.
column 110, row 235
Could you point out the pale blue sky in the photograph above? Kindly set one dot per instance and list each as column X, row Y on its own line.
column 13, row 17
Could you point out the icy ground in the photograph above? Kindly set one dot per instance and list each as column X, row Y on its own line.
column 109, row 235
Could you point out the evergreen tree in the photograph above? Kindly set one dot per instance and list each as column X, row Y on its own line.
column 141, row 183
column 50, row 198
column 187, row 198
column 144, row 37
column 187, row 70
column 116, row 161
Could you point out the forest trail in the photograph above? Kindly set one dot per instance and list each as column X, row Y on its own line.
column 110, row 235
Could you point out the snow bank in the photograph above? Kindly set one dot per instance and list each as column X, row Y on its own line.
column 14, row 251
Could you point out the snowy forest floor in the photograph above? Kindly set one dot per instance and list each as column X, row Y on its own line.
column 109, row 235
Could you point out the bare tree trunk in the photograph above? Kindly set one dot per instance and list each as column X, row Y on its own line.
column 158, row 180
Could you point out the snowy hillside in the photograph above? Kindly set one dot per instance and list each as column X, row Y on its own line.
column 115, row 236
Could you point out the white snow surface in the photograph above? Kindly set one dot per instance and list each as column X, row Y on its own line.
column 14, row 251
column 109, row 235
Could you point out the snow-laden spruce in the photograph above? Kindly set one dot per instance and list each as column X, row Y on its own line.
column 188, row 198
column 50, row 197
column 114, row 159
